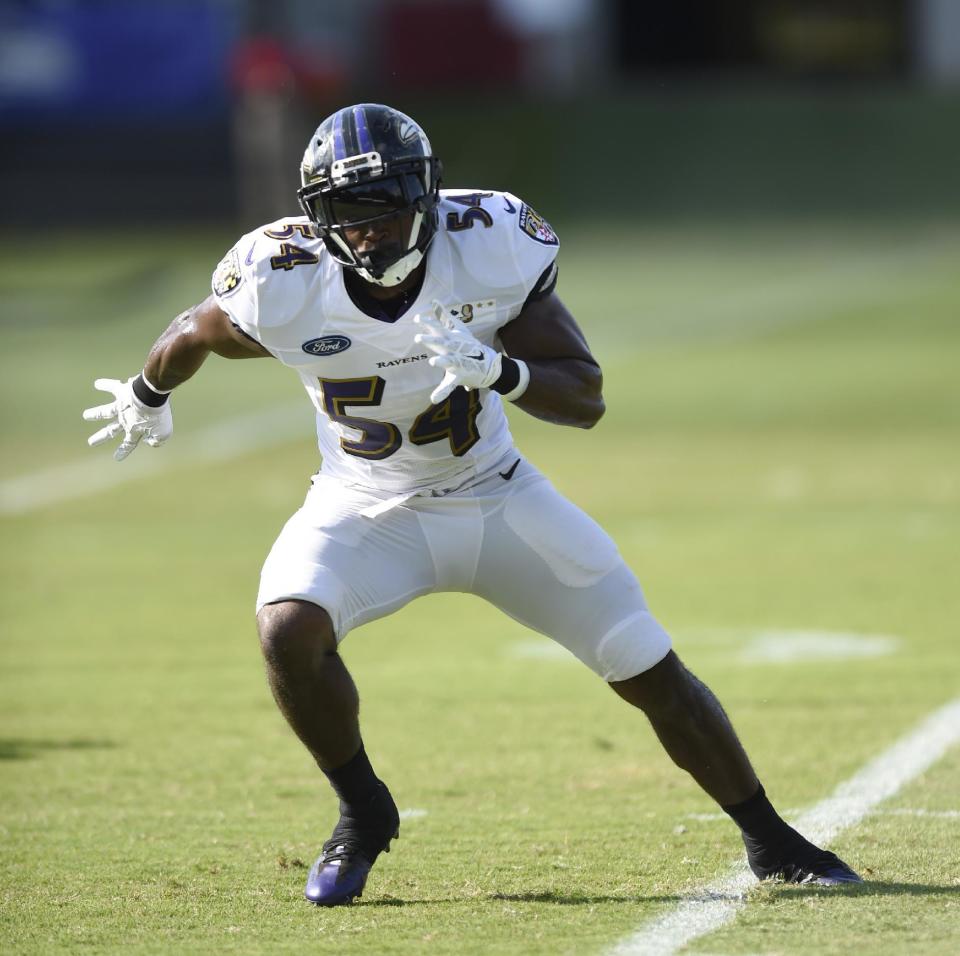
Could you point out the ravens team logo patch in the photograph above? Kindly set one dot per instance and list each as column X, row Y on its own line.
column 536, row 227
column 227, row 276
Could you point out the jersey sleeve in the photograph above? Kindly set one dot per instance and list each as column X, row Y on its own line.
column 534, row 245
column 264, row 283
column 544, row 285
column 502, row 246
column 235, row 289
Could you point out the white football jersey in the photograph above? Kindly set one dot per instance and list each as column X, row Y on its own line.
column 368, row 380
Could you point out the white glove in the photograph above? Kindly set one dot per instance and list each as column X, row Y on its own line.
column 134, row 420
column 465, row 360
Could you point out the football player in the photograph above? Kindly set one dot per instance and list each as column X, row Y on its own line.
column 412, row 314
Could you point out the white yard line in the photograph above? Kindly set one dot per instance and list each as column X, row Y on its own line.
column 894, row 812
column 99, row 472
column 920, row 812
column 781, row 646
column 720, row 902
column 785, row 647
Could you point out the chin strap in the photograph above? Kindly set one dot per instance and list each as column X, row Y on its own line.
column 394, row 274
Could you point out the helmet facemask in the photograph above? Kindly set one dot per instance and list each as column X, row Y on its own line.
column 361, row 191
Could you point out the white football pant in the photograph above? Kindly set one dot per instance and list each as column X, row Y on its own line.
column 516, row 542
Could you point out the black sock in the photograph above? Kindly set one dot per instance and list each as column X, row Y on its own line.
column 761, row 825
column 355, row 782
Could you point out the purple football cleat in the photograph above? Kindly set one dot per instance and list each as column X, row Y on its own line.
column 827, row 870
column 337, row 877
column 340, row 872
column 804, row 863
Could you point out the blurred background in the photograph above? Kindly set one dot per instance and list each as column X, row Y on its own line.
column 198, row 110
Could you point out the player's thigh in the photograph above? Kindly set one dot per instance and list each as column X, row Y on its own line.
column 356, row 567
column 547, row 564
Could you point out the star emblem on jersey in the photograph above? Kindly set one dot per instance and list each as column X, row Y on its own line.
column 468, row 311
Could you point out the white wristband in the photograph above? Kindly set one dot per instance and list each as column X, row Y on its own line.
column 151, row 386
column 521, row 386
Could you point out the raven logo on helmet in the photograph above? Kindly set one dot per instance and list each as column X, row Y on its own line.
column 408, row 131
column 367, row 163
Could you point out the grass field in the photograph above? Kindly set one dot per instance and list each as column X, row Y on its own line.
column 779, row 463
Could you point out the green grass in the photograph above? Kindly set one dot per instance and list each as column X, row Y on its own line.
column 780, row 451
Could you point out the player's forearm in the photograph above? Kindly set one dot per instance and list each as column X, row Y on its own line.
column 564, row 392
column 177, row 354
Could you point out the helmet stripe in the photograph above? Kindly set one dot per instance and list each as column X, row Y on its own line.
column 365, row 143
column 339, row 148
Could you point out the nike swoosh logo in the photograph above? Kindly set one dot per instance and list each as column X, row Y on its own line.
column 477, row 358
column 507, row 475
column 510, row 206
column 249, row 259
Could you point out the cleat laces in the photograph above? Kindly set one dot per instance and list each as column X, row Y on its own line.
column 367, row 835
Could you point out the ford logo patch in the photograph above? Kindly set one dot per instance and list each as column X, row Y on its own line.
column 326, row 345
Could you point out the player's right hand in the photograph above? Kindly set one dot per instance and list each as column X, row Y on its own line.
column 134, row 420
column 464, row 360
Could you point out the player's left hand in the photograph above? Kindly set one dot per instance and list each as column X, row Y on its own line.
column 465, row 360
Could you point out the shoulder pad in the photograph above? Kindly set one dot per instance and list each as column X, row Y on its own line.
column 258, row 283
column 502, row 241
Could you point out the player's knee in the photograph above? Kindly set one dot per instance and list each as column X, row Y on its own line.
column 294, row 633
column 660, row 691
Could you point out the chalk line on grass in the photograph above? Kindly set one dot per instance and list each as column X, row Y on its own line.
column 787, row 646
column 894, row 812
column 780, row 646
column 99, row 472
column 920, row 812
column 718, row 903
